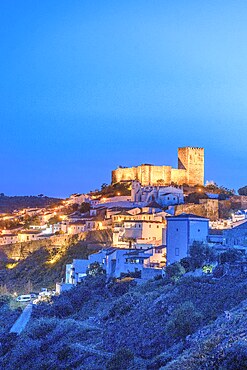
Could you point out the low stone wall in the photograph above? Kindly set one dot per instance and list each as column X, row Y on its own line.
column 208, row 208
column 18, row 251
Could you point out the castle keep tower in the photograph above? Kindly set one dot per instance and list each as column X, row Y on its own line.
column 190, row 171
column 192, row 160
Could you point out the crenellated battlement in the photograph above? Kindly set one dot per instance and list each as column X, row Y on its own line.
column 192, row 147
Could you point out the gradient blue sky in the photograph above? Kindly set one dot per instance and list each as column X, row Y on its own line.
column 89, row 85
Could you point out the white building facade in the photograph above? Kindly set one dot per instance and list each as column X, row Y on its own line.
column 181, row 232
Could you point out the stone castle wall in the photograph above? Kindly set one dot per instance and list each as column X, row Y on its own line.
column 190, row 170
column 192, row 160
column 179, row 176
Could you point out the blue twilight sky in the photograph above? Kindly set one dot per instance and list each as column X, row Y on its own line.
column 86, row 86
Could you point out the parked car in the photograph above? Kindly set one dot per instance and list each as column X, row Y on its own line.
column 24, row 298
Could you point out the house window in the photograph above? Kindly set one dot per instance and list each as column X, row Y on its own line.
column 176, row 251
column 176, row 229
column 149, row 225
column 199, row 230
column 158, row 226
column 139, row 225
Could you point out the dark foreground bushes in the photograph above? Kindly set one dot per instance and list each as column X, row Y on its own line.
column 99, row 326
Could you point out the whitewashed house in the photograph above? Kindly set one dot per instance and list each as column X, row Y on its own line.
column 163, row 195
column 182, row 231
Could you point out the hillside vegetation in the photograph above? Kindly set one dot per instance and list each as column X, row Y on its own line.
column 46, row 266
column 8, row 204
column 121, row 325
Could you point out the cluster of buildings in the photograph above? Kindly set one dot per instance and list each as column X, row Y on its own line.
column 149, row 259
column 117, row 262
column 151, row 227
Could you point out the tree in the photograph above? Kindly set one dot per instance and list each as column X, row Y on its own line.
column 95, row 269
column 199, row 254
column 175, row 271
column 243, row 190
column 54, row 220
column 84, row 207
column 195, row 197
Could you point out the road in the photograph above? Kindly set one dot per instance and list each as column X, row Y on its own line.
column 22, row 320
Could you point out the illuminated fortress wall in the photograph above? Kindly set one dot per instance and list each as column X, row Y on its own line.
column 190, row 170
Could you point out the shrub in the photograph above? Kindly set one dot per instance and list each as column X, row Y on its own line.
column 186, row 262
column 122, row 306
column 41, row 328
column 231, row 255
column 64, row 353
column 6, row 342
column 175, row 271
column 184, row 321
column 235, row 357
column 122, row 359
column 120, row 287
column 218, row 271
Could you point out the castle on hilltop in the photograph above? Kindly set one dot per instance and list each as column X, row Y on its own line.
column 190, row 170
